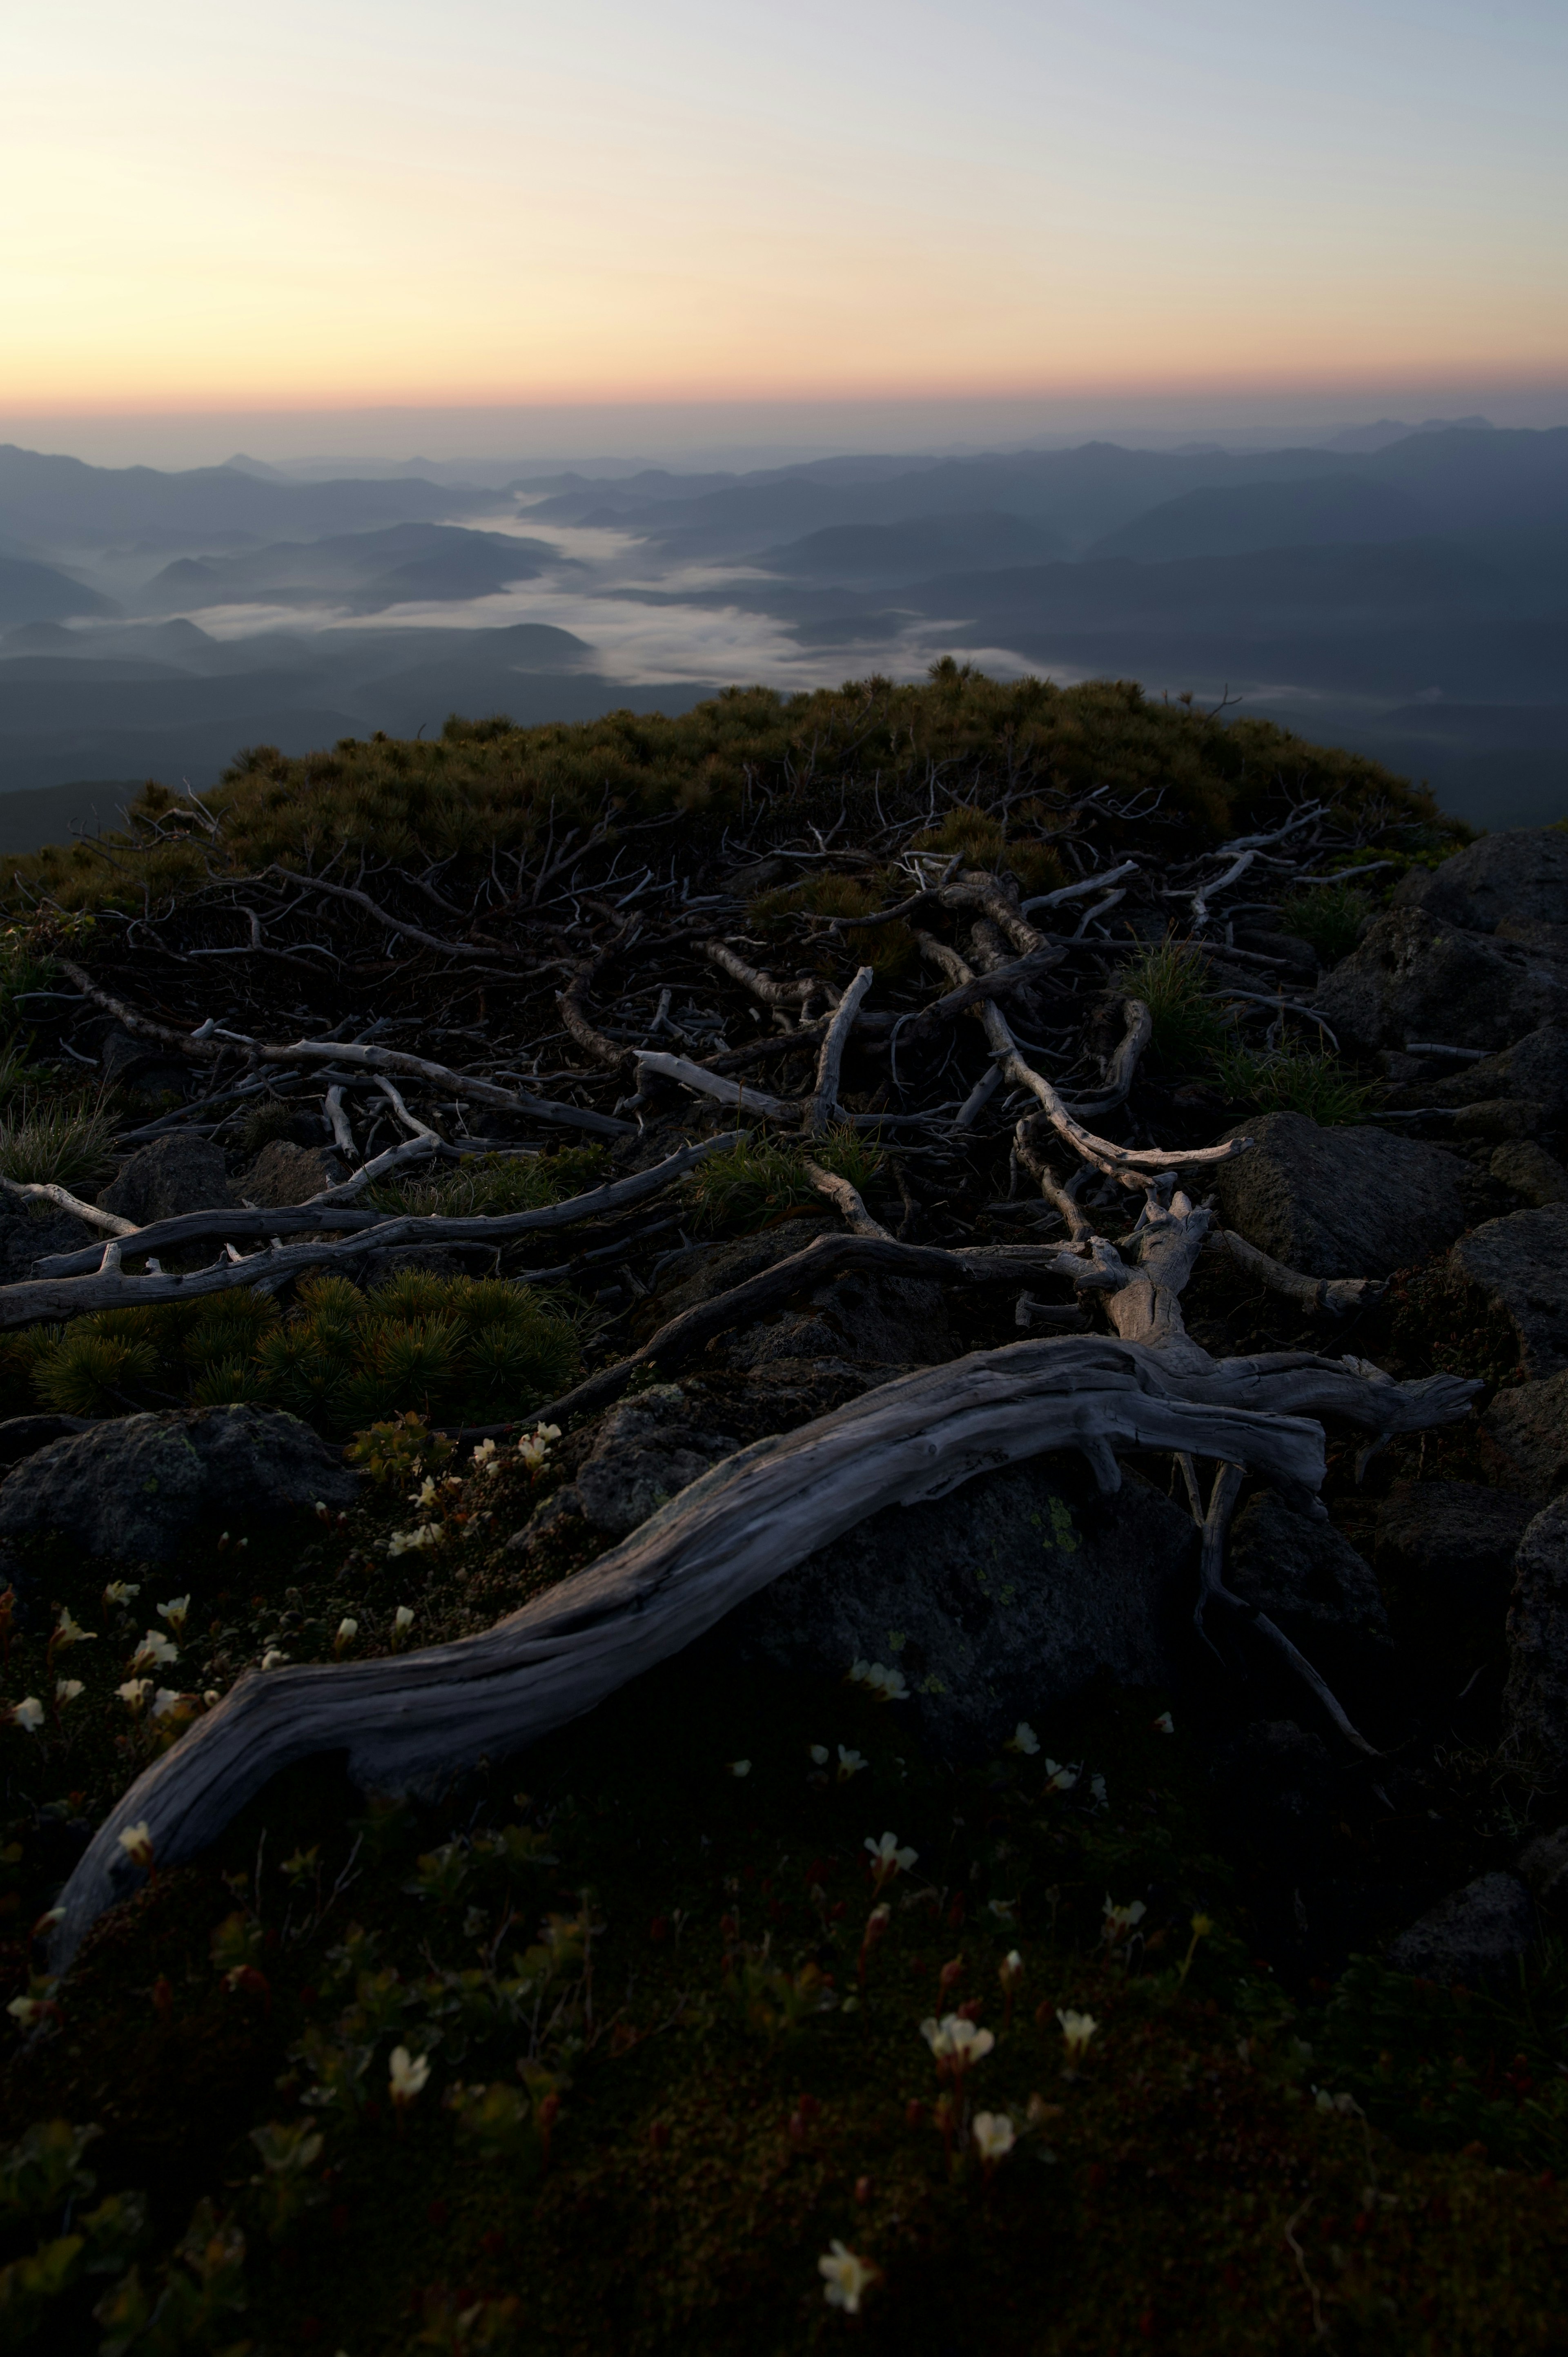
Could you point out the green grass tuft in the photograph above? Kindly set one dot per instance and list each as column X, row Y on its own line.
column 1190, row 1026
column 759, row 1181
column 1330, row 918
column 1295, row 1079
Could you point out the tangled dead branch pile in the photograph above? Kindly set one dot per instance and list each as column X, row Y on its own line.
column 983, row 983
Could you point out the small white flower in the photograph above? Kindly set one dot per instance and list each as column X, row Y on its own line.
column 120, row 1591
column 136, row 1841
column 407, row 2074
column 29, row 1715
column 850, row 1764
column 820, row 1754
column 888, row 1859
column 66, row 1632
column 402, row 1618
column 1023, row 1738
column 485, row 1458
column 1001, row 1909
column 993, row 2136
column 954, row 2039
column 1060, row 1778
column 1078, row 2029
column 155, row 1650
column 858, row 1672
column 738, row 1767
column 271, row 1659
column 1119, row 1920
column 175, row 1612
column 887, row 1685
column 25, row 2010
column 1165, row 1723
column 346, row 1631
column 134, row 1693
column 845, row 2277
column 66, row 1690
column 164, row 1700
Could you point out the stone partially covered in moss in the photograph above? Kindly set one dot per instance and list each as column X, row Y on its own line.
column 135, row 1489
column 1014, row 1594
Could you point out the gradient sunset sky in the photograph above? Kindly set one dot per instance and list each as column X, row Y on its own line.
column 326, row 204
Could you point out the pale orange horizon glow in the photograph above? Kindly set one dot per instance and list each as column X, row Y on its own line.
column 345, row 206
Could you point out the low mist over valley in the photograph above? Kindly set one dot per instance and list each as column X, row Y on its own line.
column 1397, row 589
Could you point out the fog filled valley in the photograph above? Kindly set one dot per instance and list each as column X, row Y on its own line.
column 1397, row 591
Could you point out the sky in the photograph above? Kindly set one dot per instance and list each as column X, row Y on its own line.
column 1023, row 208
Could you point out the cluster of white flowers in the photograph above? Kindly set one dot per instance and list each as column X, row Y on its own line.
column 534, row 1447
column 887, row 1685
column 426, row 1534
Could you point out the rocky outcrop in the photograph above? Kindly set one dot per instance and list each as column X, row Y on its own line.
column 1520, row 1264
column 1534, row 1071
column 31, row 1234
column 1447, row 1549
column 1317, row 1588
column 173, row 1174
column 1530, row 1424
column 1527, row 1170
column 283, row 1173
column 135, row 1488
column 1339, row 1202
column 1513, row 884
column 1472, row 1937
column 645, row 1450
column 1414, row 977
column 993, row 1604
column 1535, row 1700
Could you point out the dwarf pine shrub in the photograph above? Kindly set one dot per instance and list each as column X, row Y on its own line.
column 466, row 1350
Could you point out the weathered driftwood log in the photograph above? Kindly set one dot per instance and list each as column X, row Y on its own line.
column 101, row 1284
column 416, row 1717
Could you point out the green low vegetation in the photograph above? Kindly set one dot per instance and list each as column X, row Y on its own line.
column 54, row 1140
column 1191, row 1027
column 763, row 1179
column 843, row 754
column 462, row 1349
column 1329, row 916
column 1291, row 1079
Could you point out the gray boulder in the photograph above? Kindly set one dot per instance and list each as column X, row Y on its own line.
column 1339, row 1202
column 24, row 1435
column 1528, row 1170
column 31, row 1234
column 1415, row 978
column 1447, row 1549
column 1521, row 1264
column 1010, row 1595
column 1313, row 1585
column 1544, row 1865
column 145, row 1067
column 1535, row 1068
column 283, row 1173
column 135, row 1488
column 1530, row 1424
column 171, row 1175
column 646, row 1449
column 1506, row 882
column 1535, row 1699
column 859, row 1318
column 1472, row 1937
